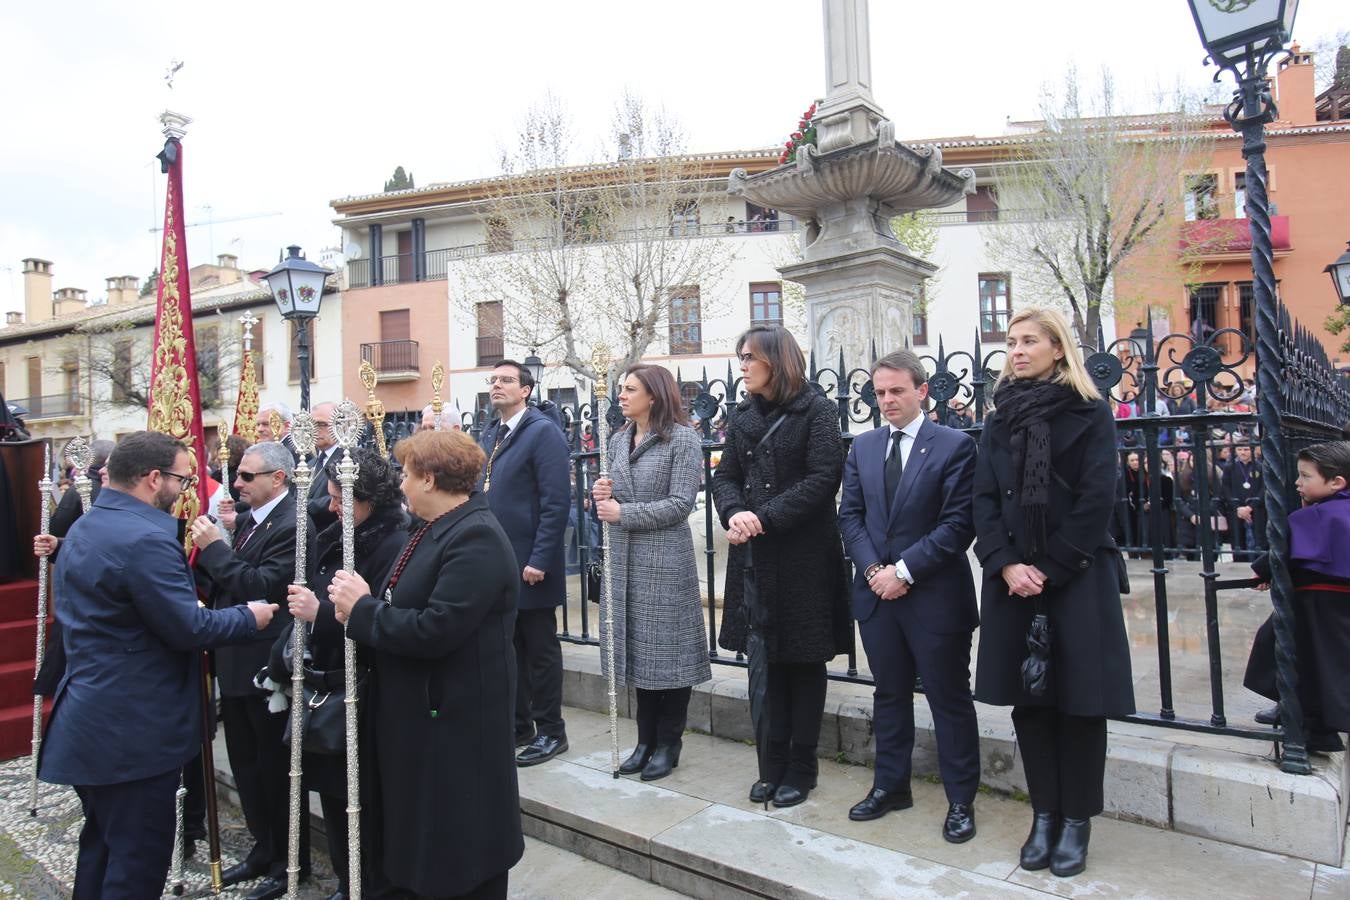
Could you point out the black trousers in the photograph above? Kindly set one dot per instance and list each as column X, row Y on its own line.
column 1065, row 760
column 539, row 673
column 661, row 715
column 261, row 765
column 896, row 654
column 126, row 843
column 796, row 701
column 194, row 804
column 335, row 825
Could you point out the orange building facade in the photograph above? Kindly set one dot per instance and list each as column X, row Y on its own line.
column 1208, row 277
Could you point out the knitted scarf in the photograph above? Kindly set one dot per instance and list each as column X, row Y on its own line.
column 1026, row 407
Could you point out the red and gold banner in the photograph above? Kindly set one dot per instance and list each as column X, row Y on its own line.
column 175, row 400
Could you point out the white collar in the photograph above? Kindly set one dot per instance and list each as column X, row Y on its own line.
column 260, row 513
column 912, row 428
column 512, row 422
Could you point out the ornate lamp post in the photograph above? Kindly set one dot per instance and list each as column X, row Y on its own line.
column 1340, row 275
column 297, row 288
column 1242, row 36
column 535, row 365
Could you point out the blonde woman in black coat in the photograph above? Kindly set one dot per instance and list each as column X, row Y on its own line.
column 1044, row 489
column 779, row 493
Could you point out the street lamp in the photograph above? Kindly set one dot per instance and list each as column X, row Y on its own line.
column 297, row 288
column 1242, row 36
column 535, row 365
column 1340, row 274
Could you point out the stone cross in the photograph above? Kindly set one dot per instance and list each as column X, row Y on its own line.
column 849, row 114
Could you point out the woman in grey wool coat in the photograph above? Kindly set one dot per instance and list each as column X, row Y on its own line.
column 661, row 645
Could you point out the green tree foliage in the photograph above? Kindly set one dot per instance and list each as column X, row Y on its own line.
column 401, row 181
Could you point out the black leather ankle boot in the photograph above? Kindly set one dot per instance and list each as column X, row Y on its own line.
column 635, row 763
column 1036, row 851
column 1071, row 848
column 664, row 759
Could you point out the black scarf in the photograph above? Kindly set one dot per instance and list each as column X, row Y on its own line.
column 1026, row 407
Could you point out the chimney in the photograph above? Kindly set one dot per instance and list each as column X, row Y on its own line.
column 123, row 289
column 13, row 317
column 1295, row 90
column 227, row 261
column 37, row 290
column 69, row 301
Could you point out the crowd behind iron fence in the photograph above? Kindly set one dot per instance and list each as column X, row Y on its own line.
column 1184, row 405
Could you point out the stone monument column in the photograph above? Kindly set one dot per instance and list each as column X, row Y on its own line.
column 860, row 282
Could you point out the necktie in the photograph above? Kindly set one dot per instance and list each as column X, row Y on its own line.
column 894, row 468
column 243, row 534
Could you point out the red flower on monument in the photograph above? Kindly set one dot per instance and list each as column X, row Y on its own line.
column 805, row 134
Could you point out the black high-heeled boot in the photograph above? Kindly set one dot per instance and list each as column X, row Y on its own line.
column 1036, row 850
column 664, row 759
column 1071, row 847
column 635, row 763
column 800, row 779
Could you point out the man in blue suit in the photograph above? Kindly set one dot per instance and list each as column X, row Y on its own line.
column 128, row 710
column 528, row 486
column 906, row 520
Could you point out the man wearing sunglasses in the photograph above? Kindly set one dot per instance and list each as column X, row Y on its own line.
column 128, row 706
column 258, row 564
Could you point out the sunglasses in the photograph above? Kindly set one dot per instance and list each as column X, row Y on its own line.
column 247, row 477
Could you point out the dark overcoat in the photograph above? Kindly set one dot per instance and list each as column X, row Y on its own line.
column 1090, row 651
column 790, row 483
column 443, row 688
column 531, row 497
column 377, row 542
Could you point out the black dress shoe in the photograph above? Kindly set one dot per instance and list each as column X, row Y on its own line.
column 244, row 871
column 959, row 825
column 268, row 889
column 1070, row 854
column 524, row 739
column 634, row 763
column 1036, row 851
column 541, row 749
column 787, row 795
column 1269, row 716
column 665, row 759
column 878, row 802
column 762, row 791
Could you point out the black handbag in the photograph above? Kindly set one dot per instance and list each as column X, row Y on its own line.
column 595, row 571
column 324, row 715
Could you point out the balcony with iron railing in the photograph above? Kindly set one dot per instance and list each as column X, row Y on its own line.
column 1205, row 238
column 392, row 360
column 48, row 406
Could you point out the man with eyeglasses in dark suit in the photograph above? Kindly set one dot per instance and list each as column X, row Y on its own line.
column 258, row 565
column 527, row 480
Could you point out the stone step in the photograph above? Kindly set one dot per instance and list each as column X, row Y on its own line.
column 695, row 832
column 1224, row 788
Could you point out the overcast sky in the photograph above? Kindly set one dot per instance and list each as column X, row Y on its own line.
column 296, row 103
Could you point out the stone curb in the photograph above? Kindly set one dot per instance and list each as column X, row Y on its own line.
column 1189, row 783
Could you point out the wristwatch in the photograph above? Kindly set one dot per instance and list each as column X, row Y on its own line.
column 872, row 570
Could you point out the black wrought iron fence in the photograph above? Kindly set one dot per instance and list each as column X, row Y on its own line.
column 1183, row 409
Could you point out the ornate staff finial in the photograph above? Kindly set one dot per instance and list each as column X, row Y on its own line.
column 374, row 408
column 248, row 320
column 79, row 455
column 600, row 361
column 246, row 407
column 437, row 379
column 274, row 423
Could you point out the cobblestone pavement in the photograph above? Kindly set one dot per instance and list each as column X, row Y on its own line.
column 37, row 854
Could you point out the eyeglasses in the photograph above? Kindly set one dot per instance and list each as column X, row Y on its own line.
column 500, row 379
column 318, row 424
column 247, row 477
column 185, row 482
column 746, row 358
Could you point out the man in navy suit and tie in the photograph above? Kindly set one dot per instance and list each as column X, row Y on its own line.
column 907, row 522
column 527, row 480
column 128, row 710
